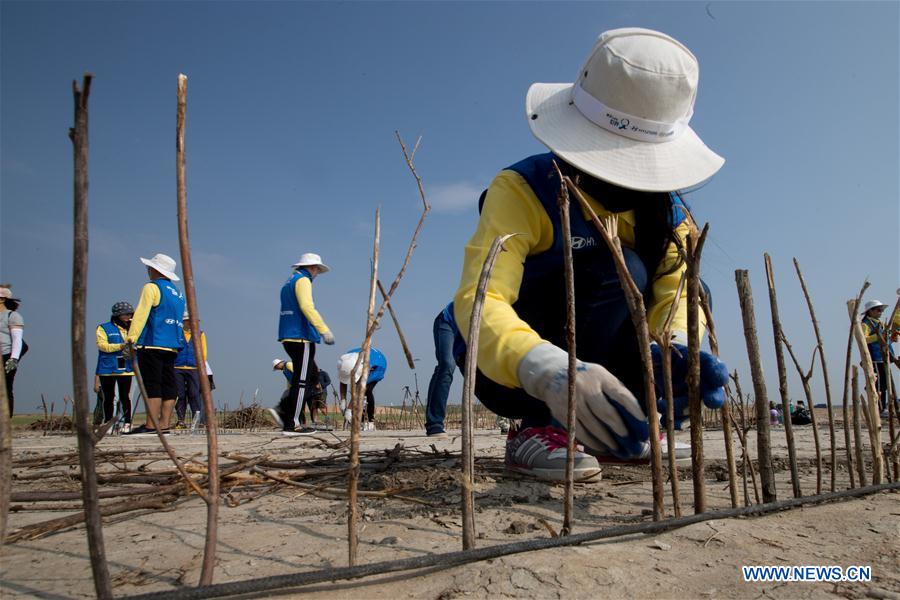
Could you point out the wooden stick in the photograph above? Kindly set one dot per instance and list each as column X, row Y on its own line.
column 845, row 402
column 694, row 249
column 187, row 270
column 778, row 336
column 79, row 136
column 468, row 442
column 889, row 393
column 358, row 377
column 763, row 444
column 569, row 496
column 390, row 307
column 742, row 430
column 857, row 432
column 804, row 378
column 5, row 453
column 820, row 347
column 871, row 394
column 635, row 301
column 725, row 411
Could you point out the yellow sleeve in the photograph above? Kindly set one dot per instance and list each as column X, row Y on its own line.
column 203, row 344
column 870, row 332
column 303, row 291
column 665, row 286
column 510, row 207
column 149, row 298
column 103, row 342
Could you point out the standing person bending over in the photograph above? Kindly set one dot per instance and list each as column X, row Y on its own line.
column 156, row 333
column 187, row 378
column 377, row 371
column 114, row 369
column 448, row 344
column 621, row 132
column 876, row 336
column 12, row 327
column 300, row 328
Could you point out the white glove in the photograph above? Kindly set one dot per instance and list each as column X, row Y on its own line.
column 608, row 416
column 328, row 338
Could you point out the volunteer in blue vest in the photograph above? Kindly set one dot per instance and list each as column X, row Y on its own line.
column 300, row 328
column 448, row 343
column 156, row 334
column 621, row 131
column 187, row 379
column 114, row 369
column 876, row 335
column 377, row 371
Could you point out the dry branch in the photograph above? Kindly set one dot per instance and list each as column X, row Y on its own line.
column 694, row 250
column 857, row 431
column 5, row 454
column 390, row 307
column 846, row 399
column 804, row 378
column 871, row 395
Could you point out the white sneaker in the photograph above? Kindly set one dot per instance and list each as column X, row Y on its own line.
column 125, row 428
column 541, row 453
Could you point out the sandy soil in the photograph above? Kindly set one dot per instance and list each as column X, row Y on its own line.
column 289, row 530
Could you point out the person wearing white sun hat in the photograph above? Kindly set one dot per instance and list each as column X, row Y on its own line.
column 156, row 333
column 622, row 132
column 300, row 328
column 877, row 340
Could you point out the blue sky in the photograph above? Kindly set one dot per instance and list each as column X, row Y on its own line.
column 290, row 147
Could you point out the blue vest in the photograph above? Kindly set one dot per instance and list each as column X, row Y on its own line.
column 288, row 374
column 163, row 328
column 377, row 364
column 875, row 347
column 108, row 362
column 292, row 323
column 186, row 356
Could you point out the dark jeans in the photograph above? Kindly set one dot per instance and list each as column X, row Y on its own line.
column 10, row 377
column 605, row 334
column 442, row 378
column 303, row 355
column 188, row 383
column 108, row 384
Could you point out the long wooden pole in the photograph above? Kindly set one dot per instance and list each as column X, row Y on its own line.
column 807, row 391
column 820, row 348
column 569, row 497
column 778, row 335
column 403, row 344
column 763, row 443
column 79, row 136
column 468, row 453
column 5, row 454
column 871, row 395
column 187, row 269
column 845, row 402
column 694, row 250
column 857, row 431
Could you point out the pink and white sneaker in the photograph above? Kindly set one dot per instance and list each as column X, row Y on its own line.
column 541, row 453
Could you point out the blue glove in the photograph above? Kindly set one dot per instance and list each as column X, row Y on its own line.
column 713, row 377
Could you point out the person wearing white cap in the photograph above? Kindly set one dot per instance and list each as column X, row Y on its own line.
column 300, row 328
column 187, row 379
column 621, row 132
column 877, row 341
column 377, row 371
column 156, row 333
column 12, row 344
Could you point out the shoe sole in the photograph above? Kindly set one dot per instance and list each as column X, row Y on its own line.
column 586, row 475
column 298, row 433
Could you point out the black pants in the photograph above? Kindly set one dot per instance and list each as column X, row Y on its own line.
column 158, row 370
column 370, row 401
column 108, row 385
column 10, row 377
column 188, row 383
column 303, row 355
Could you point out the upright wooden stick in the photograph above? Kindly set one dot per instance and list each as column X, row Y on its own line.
column 804, row 378
column 634, row 298
column 725, row 411
column 569, row 499
column 5, row 454
column 187, row 269
column 390, row 307
column 79, row 136
column 871, row 394
column 857, row 431
column 357, row 391
column 778, row 335
column 468, row 454
column 694, row 249
column 820, row 347
column 845, row 403
column 763, row 444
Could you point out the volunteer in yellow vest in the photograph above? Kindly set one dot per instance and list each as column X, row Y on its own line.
column 114, row 369
column 300, row 328
column 621, row 131
column 187, row 379
column 156, row 333
column 877, row 340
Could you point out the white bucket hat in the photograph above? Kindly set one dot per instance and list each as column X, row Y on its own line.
column 625, row 119
column 345, row 367
column 276, row 362
column 310, row 259
column 164, row 264
column 872, row 304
